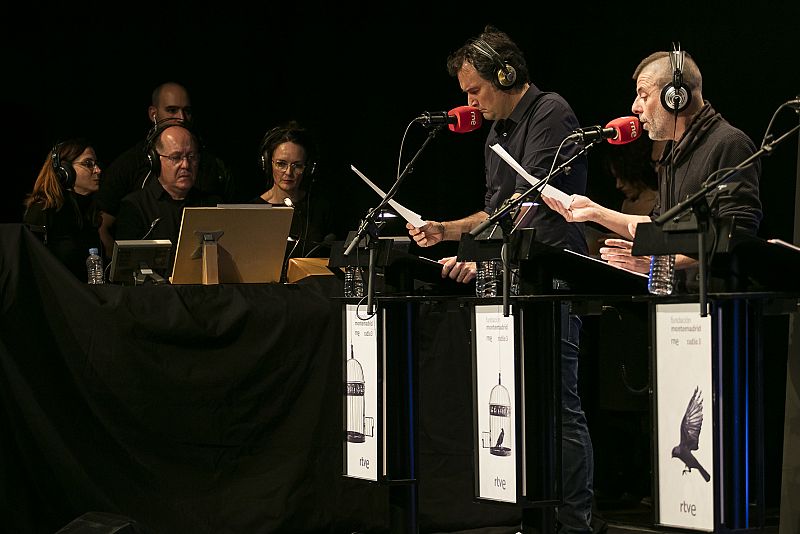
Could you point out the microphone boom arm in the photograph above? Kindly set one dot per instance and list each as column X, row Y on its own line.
column 366, row 222
column 697, row 203
column 369, row 222
column 507, row 207
column 512, row 204
column 687, row 204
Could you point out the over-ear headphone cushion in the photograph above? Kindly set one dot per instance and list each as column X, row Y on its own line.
column 153, row 161
column 675, row 98
column 266, row 141
column 65, row 173
column 507, row 76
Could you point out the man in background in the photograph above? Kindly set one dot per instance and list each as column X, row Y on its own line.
column 129, row 171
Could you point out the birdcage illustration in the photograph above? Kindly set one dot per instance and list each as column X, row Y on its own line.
column 500, row 426
column 359, row 427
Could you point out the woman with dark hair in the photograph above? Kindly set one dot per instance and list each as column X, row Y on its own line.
column 289, row 159
column 61, row 205
column 633, row 168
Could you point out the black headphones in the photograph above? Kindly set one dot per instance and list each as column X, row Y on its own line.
column 506, row 74
column 153, row 158
column 676, row 96
column 64, row 173
column 271, row 140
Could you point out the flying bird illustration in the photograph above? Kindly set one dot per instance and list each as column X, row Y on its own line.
column 691, row 424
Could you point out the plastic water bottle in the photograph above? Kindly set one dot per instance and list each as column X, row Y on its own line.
column 661, row 280
column 94, row 267
column 489, row 278
column 353, row 281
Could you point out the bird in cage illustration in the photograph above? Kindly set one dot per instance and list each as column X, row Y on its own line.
column 499, row 420
column 359, row 427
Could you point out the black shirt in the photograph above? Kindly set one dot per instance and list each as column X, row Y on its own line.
column 710, row 144
column 126, row 173
column 312, row 221
column 69, row 231
column 531, row 135
column 138, row 211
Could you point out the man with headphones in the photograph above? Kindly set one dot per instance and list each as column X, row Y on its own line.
column 156, row 210
column 129, row 170
column 529, row 124
column 699, row 143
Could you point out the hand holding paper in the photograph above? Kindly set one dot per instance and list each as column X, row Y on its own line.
column 548, row 190
column 404, row 212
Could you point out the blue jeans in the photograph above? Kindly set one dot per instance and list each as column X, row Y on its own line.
column 577, row 459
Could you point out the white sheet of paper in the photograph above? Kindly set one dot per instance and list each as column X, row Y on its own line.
column 549, row 190
column 640, row 275
column 403, row 211
column 783, row 243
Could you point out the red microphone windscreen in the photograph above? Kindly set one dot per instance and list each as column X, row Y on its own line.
column 468, row 119
column 628, row 129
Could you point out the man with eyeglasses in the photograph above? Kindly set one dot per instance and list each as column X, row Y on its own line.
column 128, row 172
column 156, row 210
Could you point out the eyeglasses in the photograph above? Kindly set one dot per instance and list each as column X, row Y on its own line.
column 88, row 163
column 176, row 159
column 284, row 165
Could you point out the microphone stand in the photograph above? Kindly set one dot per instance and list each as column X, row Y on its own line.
column 513, row 203
column 697, row 203
column 370, row 228
column 499, row 216
column 506, row 227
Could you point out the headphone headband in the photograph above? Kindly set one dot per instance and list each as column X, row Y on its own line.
column 158, row 128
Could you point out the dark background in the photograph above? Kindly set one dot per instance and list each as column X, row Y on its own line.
column 358, row 76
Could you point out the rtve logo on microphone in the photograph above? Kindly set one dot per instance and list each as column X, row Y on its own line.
column 634, row 124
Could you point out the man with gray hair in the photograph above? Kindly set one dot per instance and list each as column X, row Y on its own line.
column 700, row 145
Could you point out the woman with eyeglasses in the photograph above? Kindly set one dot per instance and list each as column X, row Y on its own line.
column 61, row 208
column 288, row 158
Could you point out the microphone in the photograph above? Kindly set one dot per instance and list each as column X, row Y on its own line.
column 152, row 225
column 618, row 131
column 327, row 241
column 627, row 129
column 591, row 133
column 462, row 119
